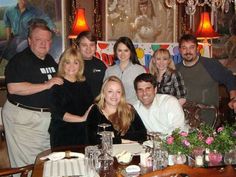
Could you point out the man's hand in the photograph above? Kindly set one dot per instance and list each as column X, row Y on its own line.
column 54, row 81
column 232, row 104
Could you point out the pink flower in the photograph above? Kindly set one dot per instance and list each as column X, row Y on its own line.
column 220, row 129
column 183, row 133
column 186, row 143
column 209, row 140
column 170, row 140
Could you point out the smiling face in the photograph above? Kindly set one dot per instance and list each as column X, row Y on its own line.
column 123, row 52
column 146, row 93
column 112, row 93
column 87, row 48
column 40, row 42
column 161, row 63
column 188, row 51
column 71, row 68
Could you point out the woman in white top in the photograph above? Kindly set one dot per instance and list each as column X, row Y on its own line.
column 127, row 67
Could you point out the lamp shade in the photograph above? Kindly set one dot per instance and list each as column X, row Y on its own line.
column 79, row 24
column 205, row 29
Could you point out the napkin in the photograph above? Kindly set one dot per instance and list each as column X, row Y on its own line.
column 68, row 167
column 148, row 143
column 61, row 155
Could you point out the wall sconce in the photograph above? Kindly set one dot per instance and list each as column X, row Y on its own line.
column 79, row 24
column 205, row 31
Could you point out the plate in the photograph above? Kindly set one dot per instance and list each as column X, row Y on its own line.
column 133, row 148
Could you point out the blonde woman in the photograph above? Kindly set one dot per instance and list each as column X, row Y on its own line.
column 111, row 108
column 70, row 102
column 169, row 81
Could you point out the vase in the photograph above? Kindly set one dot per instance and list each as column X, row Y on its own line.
column 230, row 157
column 215, row 158
column 179, row 158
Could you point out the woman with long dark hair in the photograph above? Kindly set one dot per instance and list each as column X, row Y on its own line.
column 127, row 67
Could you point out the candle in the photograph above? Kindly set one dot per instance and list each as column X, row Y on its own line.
column 199, row 160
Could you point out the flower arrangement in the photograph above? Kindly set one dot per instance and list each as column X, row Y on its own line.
column 222, row 140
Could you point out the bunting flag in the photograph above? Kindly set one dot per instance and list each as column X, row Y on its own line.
column 144, row 51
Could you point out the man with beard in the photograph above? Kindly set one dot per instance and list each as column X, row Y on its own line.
column 202, row 75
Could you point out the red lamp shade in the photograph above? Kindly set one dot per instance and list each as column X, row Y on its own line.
column 205, row 29
column 79, row 24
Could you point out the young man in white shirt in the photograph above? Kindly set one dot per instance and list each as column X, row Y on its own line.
column 159, row 112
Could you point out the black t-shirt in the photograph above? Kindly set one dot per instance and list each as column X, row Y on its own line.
column 94, row 72
column 27, row 67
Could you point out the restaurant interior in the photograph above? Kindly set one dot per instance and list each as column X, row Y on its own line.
column 208, row 20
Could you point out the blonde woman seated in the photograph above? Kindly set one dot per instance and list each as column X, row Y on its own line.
column 111, row 107
column 169, row 81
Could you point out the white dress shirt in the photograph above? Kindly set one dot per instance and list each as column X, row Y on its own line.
column 164, row 115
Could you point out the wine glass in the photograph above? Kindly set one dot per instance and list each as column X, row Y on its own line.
column 104, row 126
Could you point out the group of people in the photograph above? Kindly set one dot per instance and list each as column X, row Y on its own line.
column 50, row 105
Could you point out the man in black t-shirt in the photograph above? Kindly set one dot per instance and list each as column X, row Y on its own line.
column 94, row 69
column 26, row 117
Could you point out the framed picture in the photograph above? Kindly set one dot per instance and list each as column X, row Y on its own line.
column 224, row 47
column 51, row 11
column 145, row 21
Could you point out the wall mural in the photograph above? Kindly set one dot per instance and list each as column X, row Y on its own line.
column 49, row 10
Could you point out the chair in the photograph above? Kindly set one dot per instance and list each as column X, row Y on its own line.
column 2, row 133
column 23, row 171
column 183, row 170
column 193, row 113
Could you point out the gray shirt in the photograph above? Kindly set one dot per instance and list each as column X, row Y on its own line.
column 127, row 77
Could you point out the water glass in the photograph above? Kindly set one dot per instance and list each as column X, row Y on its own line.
column 107, row 141
column 89, row 169
column 92, row 152
column 105, row 159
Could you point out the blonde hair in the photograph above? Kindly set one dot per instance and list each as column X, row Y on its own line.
column 71, row 54
column 124, row 114
column 161, row 53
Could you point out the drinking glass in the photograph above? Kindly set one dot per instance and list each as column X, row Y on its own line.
column 104, row 126
column 159, row 154
column 230, row 157
column 105, row 159
column 92, row 152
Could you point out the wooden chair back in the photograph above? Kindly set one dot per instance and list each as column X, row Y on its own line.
column 23, row 171
column 180, row 170
column 192, row 111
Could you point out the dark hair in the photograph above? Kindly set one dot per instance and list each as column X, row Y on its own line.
column 232, row 26
column 37, row 23
column 127, row 41
column 188, row 37
column 146, row 77
column 86, row 34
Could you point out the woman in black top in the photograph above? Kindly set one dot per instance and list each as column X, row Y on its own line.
column 112, row 108
column 70, row 102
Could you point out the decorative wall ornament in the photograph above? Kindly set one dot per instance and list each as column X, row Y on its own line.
column 191, row 5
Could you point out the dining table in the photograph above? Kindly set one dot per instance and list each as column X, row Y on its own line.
column 116, row 170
